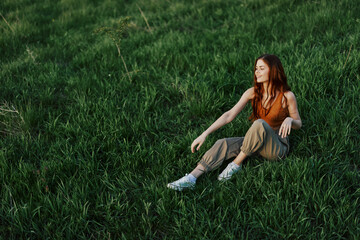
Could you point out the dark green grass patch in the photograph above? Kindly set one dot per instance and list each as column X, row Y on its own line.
column 86, row 151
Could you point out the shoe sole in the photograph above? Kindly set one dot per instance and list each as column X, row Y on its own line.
column 179, row 188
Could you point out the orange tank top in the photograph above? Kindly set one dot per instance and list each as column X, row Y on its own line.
column 276, row 115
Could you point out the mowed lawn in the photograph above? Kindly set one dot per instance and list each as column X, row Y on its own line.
column 101, row 100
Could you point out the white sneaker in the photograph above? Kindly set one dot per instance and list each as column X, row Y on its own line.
column 182, row 184
column 229, row 171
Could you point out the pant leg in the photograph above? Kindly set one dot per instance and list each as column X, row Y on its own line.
column 262, row 139
column 222, row 150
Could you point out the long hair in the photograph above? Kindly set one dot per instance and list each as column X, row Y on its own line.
column 277, row 81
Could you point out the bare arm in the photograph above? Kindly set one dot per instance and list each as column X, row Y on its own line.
column 294, row 120
column 231, row 114
column 225, row 118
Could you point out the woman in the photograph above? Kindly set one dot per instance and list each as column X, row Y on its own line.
column 274, row 113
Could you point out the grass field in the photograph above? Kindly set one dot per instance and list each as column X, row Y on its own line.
column 88, row 146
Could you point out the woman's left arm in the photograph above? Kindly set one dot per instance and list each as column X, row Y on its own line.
column 294, row 120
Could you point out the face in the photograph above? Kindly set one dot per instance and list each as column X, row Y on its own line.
column 261, row 71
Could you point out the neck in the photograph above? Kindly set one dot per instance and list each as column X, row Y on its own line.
column 267, row 87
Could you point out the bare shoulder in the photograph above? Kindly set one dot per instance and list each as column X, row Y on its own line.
column 249, row 93
column 291, row 99
column 289, row 95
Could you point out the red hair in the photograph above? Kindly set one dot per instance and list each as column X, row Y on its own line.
column 277, row 81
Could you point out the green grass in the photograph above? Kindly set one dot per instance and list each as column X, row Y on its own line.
column 87, row 153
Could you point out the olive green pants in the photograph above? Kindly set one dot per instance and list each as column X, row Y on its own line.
column 259, row 139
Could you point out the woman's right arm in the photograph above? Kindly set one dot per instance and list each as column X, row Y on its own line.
column 224, row 119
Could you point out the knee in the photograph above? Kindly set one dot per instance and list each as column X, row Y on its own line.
column 220, row 141
column 220, row 144
column 259, row 123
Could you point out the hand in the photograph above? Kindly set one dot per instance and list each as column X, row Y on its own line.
column 198, row 141
column 285, row 127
